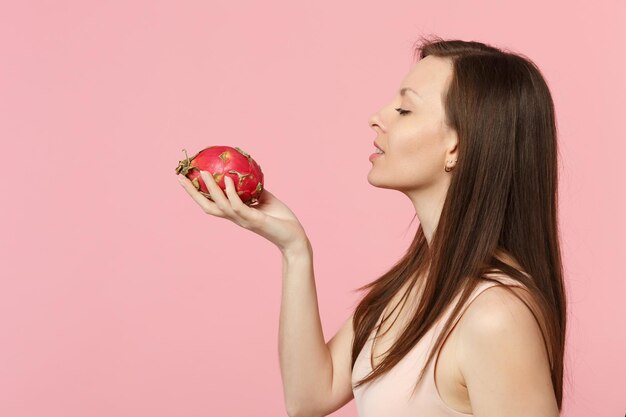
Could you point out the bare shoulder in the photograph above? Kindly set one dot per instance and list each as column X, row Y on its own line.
column 500, row 307
column 503, row 358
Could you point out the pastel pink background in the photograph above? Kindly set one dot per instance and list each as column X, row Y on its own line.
column 120, row 297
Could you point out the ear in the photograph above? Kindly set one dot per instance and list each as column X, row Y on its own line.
column 452, row 144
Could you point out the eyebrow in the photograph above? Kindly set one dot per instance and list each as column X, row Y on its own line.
column 405, row 89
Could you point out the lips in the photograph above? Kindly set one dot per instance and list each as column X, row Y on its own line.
column 376, row 145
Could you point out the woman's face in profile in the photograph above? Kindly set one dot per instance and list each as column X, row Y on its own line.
column 410, row 129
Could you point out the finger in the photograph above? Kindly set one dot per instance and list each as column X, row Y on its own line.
column 239, row 207
column 216, row 192
column 207, row 205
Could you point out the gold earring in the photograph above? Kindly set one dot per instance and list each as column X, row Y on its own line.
column 448, row 169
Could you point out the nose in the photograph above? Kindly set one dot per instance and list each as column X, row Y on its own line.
column 374, row 120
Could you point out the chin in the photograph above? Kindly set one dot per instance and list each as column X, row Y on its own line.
column 374, row 182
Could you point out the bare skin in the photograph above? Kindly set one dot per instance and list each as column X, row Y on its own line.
column 271, row 218
column 494, row 355
column 418, row 144
column 448, row 377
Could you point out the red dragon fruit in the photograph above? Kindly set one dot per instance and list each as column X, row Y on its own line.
column 220, row 161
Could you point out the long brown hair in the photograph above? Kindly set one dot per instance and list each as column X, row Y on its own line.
column 502, row 198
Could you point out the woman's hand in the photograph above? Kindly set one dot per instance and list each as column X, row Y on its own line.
column 271, row 218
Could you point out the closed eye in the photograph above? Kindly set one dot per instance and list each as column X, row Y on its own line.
column 401, row 111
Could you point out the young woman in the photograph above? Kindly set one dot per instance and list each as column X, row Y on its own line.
column 471, row 320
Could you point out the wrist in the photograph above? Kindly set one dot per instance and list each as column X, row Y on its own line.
column 297, row 248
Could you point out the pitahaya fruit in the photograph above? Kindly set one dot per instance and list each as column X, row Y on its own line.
column 220, row 161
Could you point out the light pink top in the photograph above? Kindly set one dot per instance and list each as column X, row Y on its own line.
column 390, row 395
